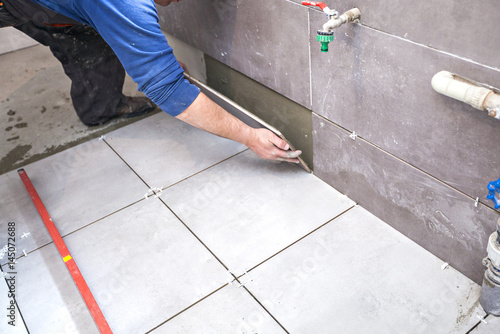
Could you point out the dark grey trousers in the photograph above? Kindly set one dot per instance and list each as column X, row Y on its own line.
column 96, row 74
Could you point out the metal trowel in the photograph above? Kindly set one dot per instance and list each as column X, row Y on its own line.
column 242, row 114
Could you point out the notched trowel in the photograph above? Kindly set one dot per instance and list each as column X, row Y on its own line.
column 243, row 114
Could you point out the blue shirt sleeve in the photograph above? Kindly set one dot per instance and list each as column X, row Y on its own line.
column 132, row 30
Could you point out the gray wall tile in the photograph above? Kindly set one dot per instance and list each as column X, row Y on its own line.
column 469, row 29
column 376, row 81
column 380, row 86
column 265, row 40
column 439, row 218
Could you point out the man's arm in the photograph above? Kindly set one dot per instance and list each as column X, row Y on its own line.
column 143, row 50
column 207, row 115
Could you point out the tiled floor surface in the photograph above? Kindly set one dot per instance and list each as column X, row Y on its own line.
column 232, row 244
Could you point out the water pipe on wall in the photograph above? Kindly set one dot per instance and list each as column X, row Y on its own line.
column 325, row 34
column 467, row 91
column 490, row 291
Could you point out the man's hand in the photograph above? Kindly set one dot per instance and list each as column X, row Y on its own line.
column 269, row 146
column 207, row 115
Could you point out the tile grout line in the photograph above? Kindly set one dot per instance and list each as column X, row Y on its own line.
column 207, row 168
column 465, row 59
column 133, row 203
column 198, row 238
column 140, row 178
column 476, row 325
column 403, row 161
column 265, row 309
column 122, row 208
column 301, row 238
column 168, row 207
column 310, row 59
column 187, row 308
column 177, row 182
column 103, row 217
column 78, row 229
column 448, row 53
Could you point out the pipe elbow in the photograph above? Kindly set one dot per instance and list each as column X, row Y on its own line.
column 458, row 88
column 331, row 24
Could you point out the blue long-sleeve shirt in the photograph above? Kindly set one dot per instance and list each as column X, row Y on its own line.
column 131, row 29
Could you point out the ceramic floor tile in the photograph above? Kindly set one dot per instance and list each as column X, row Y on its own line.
column 491, row 325
column 48, row 297
column 144, row 266
column 12, row 40
column 358, row 275
column 247, row 209
column 18, row 208
column 229, row 310
column 77, row 186
column 11, row 321
column 164, row 150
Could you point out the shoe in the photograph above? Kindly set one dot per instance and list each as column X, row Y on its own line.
column 131, row 107
column 134, row 106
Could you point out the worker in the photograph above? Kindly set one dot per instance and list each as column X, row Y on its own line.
column 96, row 74
column 132, row 31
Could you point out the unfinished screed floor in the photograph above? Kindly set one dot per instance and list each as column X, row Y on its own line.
column 230, row 244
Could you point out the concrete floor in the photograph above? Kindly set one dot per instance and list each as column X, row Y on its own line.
column 38, row 118
column 231, row 244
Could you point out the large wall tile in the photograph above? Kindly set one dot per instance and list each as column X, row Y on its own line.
column 465, row 28
column 380, row 86
column 439, row 218
column 265, row 40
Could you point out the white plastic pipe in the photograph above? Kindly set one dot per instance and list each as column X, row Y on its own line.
column 481, row 98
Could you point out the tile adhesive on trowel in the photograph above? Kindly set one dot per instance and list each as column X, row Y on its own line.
column 243, row 114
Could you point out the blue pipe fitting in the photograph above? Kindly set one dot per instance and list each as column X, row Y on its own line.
column 494, row 192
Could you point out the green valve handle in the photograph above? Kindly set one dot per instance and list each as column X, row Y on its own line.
column 324, row 38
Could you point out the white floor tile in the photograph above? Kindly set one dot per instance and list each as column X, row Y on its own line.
column 48, row 297
column 491, row 325
column 229, row 310
column 164, row 150
column 11, row 321
column 144, row 266
column 247, row 209
column 358, row 275
column 12, row 40
column 77, row 187
column 18, row 208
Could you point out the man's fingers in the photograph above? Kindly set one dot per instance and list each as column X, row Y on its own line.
column 295, row 161
column 283, row 153
column 268, row 145
column 279, row 143
column 293, row 154
column 289, row 156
